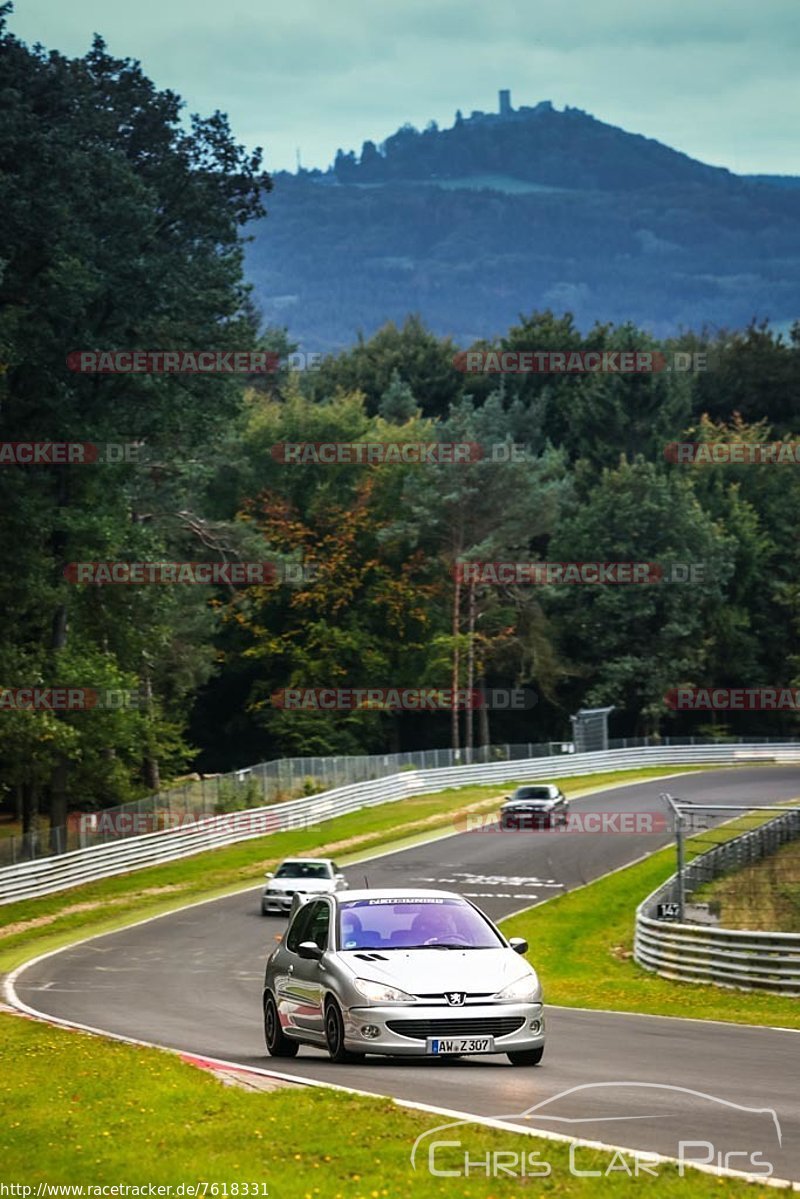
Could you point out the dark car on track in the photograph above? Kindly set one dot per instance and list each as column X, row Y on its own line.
column 535, row 805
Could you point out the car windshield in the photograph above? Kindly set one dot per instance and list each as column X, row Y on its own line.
column 533, row 793
column 303, row 870
column 414, row 924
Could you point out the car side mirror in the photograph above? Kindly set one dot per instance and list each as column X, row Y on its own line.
column 518, row 944
column 310, row 951
column 268, row 874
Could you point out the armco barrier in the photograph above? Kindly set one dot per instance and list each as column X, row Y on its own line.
column 259, row 785
column 728, row 957
column 277, row 781
column 45, row 875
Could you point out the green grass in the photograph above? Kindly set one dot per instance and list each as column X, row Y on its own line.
column 79, row 1109
column 35, row 926
column 582, row 946
column 765, row 895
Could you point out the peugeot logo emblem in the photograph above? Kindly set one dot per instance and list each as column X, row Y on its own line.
column 455, row 998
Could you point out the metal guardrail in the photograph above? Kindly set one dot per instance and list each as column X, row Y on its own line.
column 739, row 958
column 276, row 782
column 251, row 787
column 46, row 875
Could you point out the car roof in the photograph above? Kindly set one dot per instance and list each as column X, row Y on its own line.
column 395, row 893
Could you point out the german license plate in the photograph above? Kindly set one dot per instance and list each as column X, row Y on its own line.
column 439, row 1045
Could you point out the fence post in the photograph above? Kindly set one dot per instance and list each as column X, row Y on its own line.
column 681, row 851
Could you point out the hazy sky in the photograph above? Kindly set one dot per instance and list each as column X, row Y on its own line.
column 717, row 79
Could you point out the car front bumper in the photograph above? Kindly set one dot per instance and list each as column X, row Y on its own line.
column 476, row 1020
column 272, row 902
column 521, row 818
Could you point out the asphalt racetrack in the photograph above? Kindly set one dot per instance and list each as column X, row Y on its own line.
column 192, row 981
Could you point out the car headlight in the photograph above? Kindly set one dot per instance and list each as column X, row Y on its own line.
column 524, row 990
column 380, row 993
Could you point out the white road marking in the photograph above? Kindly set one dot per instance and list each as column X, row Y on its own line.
column 504, row 880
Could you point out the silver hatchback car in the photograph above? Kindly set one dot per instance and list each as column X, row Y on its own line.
column 400, row 972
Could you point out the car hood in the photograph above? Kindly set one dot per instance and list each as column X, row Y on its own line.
column 530, row 803
column 300, row 884
column 425, row 971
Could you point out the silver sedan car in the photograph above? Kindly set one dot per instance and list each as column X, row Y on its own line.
column 297, row 878
column 411, row 973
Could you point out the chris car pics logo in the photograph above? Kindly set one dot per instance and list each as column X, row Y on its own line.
column 722, row 1136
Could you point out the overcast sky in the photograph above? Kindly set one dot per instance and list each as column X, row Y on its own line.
column 717, row 79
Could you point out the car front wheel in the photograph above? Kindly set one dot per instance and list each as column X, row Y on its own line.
column 526, row 1057
column 278, row 1045
column 334, row 1035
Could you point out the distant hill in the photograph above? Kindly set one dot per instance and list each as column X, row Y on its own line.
column 521, row 209
column 775, row 180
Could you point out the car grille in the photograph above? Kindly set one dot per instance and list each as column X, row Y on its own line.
column 528, row 815
column 479, row 1026
column 434, row 997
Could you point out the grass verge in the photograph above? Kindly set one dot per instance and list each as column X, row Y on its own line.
column 582, row 946
column 37, row 926
column 765, row 895
column 83, row 1110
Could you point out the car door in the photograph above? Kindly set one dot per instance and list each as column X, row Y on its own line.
column 306, row 974
column 288, row 988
